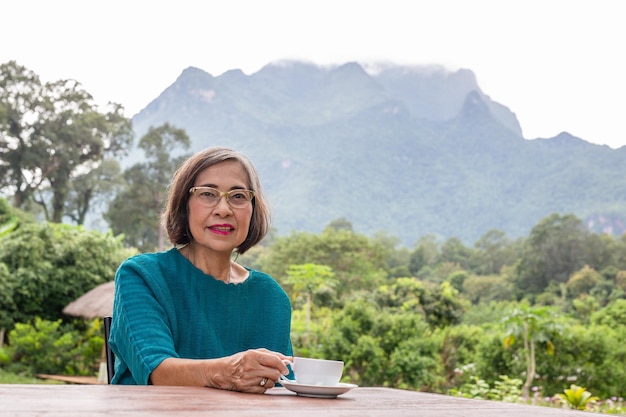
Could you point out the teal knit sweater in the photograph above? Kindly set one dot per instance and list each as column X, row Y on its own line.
column 165, row 307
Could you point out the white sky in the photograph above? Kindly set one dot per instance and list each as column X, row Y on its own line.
column 557, row 64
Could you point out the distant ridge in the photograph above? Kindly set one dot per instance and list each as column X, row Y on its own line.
column 408, row 151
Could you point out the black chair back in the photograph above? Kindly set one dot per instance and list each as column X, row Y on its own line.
column 109, row 353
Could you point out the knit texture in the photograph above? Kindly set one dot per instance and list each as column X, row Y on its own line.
column 166, row 307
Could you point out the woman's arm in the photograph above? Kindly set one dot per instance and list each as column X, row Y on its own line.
column 243, row 371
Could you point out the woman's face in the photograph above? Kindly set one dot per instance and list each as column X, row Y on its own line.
column 221, row 228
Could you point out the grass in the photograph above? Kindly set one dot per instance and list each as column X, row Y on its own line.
column 11, row 378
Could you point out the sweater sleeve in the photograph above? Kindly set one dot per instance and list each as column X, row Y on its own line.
column 143, row 330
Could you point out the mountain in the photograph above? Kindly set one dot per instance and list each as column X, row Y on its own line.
column 405, row 150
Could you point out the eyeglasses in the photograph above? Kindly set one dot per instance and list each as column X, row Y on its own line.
column 209, row 196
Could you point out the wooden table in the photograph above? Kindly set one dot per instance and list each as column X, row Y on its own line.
column 129, row 401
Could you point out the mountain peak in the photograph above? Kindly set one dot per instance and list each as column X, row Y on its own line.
column 474, row 106
column 346, row 141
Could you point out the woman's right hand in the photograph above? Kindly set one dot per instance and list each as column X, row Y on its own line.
column 254, row 370
column 244, row 371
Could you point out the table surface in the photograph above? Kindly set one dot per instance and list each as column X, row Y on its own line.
column 116, row 400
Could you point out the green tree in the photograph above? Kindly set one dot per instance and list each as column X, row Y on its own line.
column 340, row 224
column 146, row 187
column 403, row 294
column 80, row 137
column 381, row 347
column 357, row 261
column 425, row 254
column 43, row 267
column 455, row 252
column 439, row 304
column 492, row 252
column 583, row 281
column 533, row 325
column 20, row 100
column 396, row 256
column 415, row 360
column 584, row 307
column 53, row 134
column 620, row 280
column 601, row 251
column 93, row 189
column 620, row 253
column 554, row 250
column 457, row 279
column 307, row 279
column 443, row 306
column 482, row 289
column 613, row 315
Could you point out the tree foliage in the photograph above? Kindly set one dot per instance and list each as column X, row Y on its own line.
column 553, row 251
column 381, row 348
column 43, row 267
column 533, row 325
column 583, row 281
column 136, row 209
column 54, row 347
column 493, row 251
column 50, row 135
column 357, row 262
column 306, row 279
column 437, row 331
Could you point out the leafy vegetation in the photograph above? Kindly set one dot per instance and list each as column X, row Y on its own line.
column 143, row 186
column 534, row 325
column 53, row 139
column 7, row 377
column 577, row 397
column 43, row 267
column 456, row 319
column 51, row 347
column 426, row 330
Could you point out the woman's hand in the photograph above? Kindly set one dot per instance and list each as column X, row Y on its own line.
column 244, row 371
column 254, row 370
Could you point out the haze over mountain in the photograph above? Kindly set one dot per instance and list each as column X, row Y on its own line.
column 405, row 150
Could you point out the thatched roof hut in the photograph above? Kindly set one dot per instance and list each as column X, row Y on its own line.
column 95, row 303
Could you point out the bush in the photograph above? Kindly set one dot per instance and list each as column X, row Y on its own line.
column 586, row 356
column 50, row 347
column 44, row 267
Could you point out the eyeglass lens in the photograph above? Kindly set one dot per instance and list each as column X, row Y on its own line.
column 210, row 196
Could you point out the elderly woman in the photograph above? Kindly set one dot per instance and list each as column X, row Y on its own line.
column 191, row 315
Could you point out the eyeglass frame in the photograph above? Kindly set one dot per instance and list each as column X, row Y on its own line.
column 221, row 194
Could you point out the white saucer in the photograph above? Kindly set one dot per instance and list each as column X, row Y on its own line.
column 320, row 391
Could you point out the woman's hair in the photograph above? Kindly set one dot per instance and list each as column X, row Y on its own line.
column 175, row 219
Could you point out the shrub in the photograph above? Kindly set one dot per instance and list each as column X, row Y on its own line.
column 50, row 347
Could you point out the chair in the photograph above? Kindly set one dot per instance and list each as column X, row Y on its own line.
column 110, row 357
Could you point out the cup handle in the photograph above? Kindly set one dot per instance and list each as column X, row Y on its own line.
column 289, row 364
column 285, row 379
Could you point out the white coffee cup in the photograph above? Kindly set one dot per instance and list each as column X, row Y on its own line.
column 310, row 371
